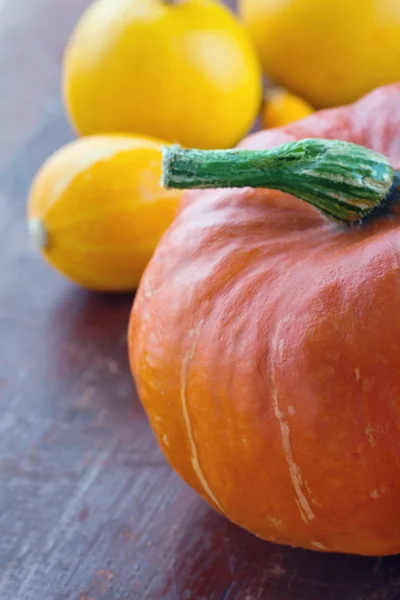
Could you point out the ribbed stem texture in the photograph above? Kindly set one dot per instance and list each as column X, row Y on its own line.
column 345, row 181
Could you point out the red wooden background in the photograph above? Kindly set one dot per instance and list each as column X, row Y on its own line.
column 89, row 510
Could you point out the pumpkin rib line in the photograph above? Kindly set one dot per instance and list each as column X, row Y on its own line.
column 303, row 505
column 186, row 417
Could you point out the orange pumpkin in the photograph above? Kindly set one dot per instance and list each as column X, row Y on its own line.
column 265, row 344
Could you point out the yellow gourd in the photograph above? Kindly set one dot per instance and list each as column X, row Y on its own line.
column 281, row 108
column 180, row 70
column 329, row 52
column 96, row 210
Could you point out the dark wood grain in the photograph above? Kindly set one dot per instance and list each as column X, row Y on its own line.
column 89, row 510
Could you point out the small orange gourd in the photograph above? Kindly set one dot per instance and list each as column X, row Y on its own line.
column 281, row 107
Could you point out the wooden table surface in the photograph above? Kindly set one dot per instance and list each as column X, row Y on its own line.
column 89, row 510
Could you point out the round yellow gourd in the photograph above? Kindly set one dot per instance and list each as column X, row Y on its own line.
column 329, row 52
column 180, row 70
column 96, row 210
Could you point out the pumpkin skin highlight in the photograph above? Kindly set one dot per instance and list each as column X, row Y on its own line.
column 265, row 345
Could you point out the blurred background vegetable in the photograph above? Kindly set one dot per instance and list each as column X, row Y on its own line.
column 330, row 52
column 280, row 107
column 97, row 211
column 184, row 71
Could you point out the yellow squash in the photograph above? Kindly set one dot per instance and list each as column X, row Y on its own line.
column 97, row 211
column 329, row 52
column 180, row 70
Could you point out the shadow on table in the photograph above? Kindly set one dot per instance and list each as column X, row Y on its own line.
column 92, row 323
column 227, row 563
column 95, row 317
column 89, row 354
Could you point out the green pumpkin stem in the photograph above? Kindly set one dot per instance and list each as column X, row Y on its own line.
column 345, row 181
